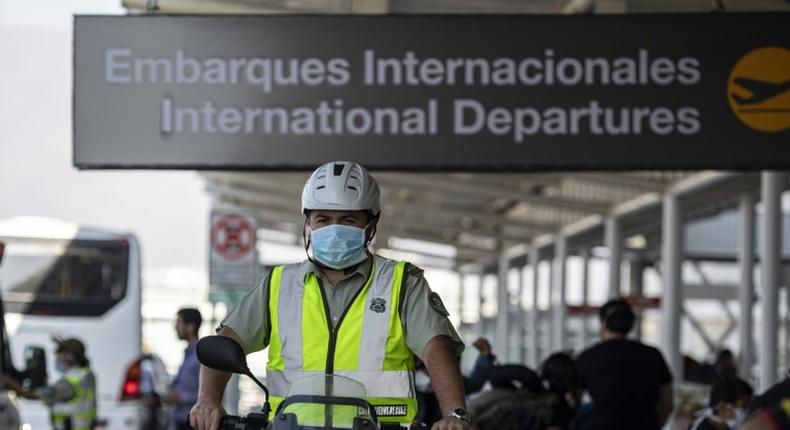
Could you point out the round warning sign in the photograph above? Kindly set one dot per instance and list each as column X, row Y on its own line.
column 232, row 237
column 759, row 89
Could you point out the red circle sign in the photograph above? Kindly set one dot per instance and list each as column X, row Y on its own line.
column 232, row 237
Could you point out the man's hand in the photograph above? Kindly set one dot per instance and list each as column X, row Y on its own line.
column 12, row 384
column 448, row 423
column 206, row 415
column 170, row 398
column 483, row 346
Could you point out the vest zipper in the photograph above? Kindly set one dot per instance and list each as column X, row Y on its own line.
column 333, row 329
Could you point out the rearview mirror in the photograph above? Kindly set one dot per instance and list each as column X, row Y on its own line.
column 222, row 353
column 35, row 367
column 225, row 354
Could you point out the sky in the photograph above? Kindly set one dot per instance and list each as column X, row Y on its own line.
column 168, row 211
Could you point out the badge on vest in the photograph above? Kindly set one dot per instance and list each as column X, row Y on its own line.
column 391, row 410
column 378, row 305
column 438, row 306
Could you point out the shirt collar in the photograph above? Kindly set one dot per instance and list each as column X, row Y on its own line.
column 362, row 269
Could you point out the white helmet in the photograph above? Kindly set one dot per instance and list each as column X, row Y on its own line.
column 341, row 186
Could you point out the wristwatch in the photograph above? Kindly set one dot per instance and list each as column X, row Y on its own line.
column 459, row 414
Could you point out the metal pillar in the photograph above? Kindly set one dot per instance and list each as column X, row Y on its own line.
column 520, row 329
column 501, row 337
column 461, row 295
column 481, row 283
column 614, row 242
column 771, row 268
column 534, row 332
column 746, row 288
column 672, row 261
column 558, row 292
column 636, row 267
column 584, row 339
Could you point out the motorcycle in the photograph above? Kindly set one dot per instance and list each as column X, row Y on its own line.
column 320, row 402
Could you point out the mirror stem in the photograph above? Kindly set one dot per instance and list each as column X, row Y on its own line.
column 266, row 407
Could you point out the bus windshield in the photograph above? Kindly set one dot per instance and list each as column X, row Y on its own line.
column 63, row 277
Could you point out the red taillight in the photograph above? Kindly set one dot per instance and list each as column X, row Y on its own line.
column 131, row 384
column 131, row 389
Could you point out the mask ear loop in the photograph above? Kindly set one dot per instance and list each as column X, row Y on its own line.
column 307, row 243
column 306, row 236
column 369, row 234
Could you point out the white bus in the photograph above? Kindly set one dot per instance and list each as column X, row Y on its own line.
column 61, row 280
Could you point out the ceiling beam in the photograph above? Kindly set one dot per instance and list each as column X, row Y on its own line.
column 392, row 203
column 469, row 187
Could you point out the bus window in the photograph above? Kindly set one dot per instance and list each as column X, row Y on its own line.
column 63, row 278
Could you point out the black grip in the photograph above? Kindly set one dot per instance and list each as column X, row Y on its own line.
column 233, row 422
column 228, row 422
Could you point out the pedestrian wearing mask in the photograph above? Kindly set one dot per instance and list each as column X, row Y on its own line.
column 72, row 399
column 729, row 398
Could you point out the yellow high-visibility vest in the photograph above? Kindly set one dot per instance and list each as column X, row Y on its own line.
column 367, row 343
column 81, row 409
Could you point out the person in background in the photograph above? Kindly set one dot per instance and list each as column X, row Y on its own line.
column 729, row 398
column 559, row 376
column 485, row 363
column 428, row 406
column 184, row 390
column 629, row 382
column 725, row 366
column 72, row 399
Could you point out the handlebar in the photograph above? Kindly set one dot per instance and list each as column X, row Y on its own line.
column 250, row 422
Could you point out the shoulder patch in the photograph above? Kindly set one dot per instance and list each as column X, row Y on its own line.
column 437, row 305
column 413, row 270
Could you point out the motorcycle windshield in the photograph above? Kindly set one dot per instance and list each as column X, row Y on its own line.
column 327, row 402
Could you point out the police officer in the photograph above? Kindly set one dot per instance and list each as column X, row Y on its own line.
column 72, row 399
column 344, row 310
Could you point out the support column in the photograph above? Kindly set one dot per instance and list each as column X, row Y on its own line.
column 614, row 242
column 636, row 267
column 558, row 292
column 461, row 294
column 771, row 268
column 481, row 282
column 746, row 288
column 534, row 332
column 584, row 339
column 501, row 336
column 520, row 329
column 672, row 261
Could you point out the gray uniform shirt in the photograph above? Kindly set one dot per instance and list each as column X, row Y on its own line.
column 422, row 319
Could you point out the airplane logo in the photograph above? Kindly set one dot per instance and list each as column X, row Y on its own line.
column 759, row 89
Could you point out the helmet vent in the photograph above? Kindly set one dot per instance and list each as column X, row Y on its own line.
column 352, row 188
column 338, row 170
column 320, row 187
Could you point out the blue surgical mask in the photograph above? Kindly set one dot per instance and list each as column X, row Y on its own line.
column 338, row 246
column 740, row 417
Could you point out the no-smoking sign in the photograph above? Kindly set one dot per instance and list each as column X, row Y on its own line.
column 233, row 237
column 233, row 260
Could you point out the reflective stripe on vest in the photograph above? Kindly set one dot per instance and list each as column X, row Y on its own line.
column 81, row 409
column 368, row 343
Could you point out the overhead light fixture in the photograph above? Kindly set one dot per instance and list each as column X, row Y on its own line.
column 423, row 247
